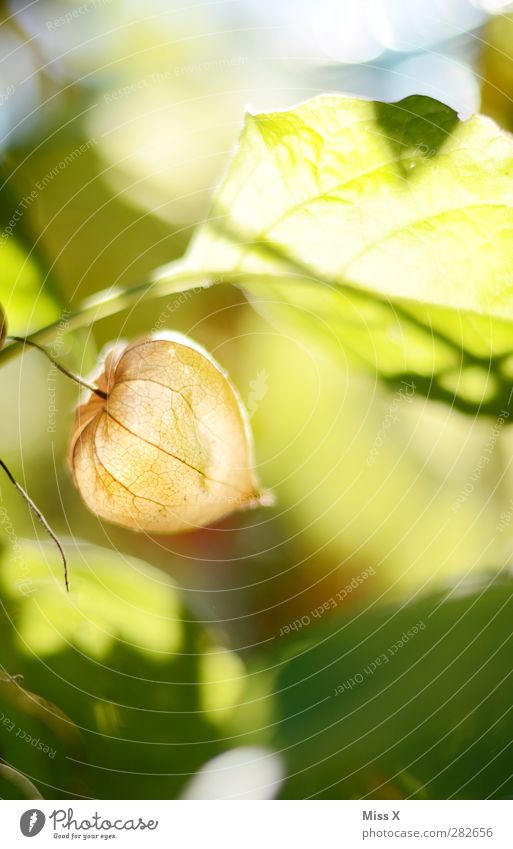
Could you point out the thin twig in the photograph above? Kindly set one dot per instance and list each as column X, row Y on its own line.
column 37, row 512
column 80, row 380
column 171, row 279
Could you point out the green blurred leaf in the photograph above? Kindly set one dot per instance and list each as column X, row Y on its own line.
column 391, row 227
column 15, row 785
column 361, row 474
column 26, row 299
column 27, row 286
column 497, row 69
column 222, row 676
column 113, row 597
column 149, row 689
column 35, row 738
column 407, row 701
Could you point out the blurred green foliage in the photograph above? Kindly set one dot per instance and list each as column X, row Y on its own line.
column 413, row 701
column 172, row 650
column 127, row 663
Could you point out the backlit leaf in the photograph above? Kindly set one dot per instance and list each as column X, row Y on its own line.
column 391, row 227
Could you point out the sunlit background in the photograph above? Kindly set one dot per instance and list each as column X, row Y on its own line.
column 167, row 673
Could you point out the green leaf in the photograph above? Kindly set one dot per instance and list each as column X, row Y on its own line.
column 24, row 294
column 394, row 702
column 389, row 228
column 148, row 687
column 35, row 736
column 113, row 597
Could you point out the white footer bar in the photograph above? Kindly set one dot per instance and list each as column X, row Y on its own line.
column 258, row 825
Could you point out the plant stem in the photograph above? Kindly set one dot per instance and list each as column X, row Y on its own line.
column 37, row 512
column 169, row 280
column 80, row 380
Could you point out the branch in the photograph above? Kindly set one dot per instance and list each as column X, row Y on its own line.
column 169, row 280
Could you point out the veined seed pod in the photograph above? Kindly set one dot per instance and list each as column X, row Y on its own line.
column 169, row 448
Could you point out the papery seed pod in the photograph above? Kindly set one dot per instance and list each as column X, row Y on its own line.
column 169, row 449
